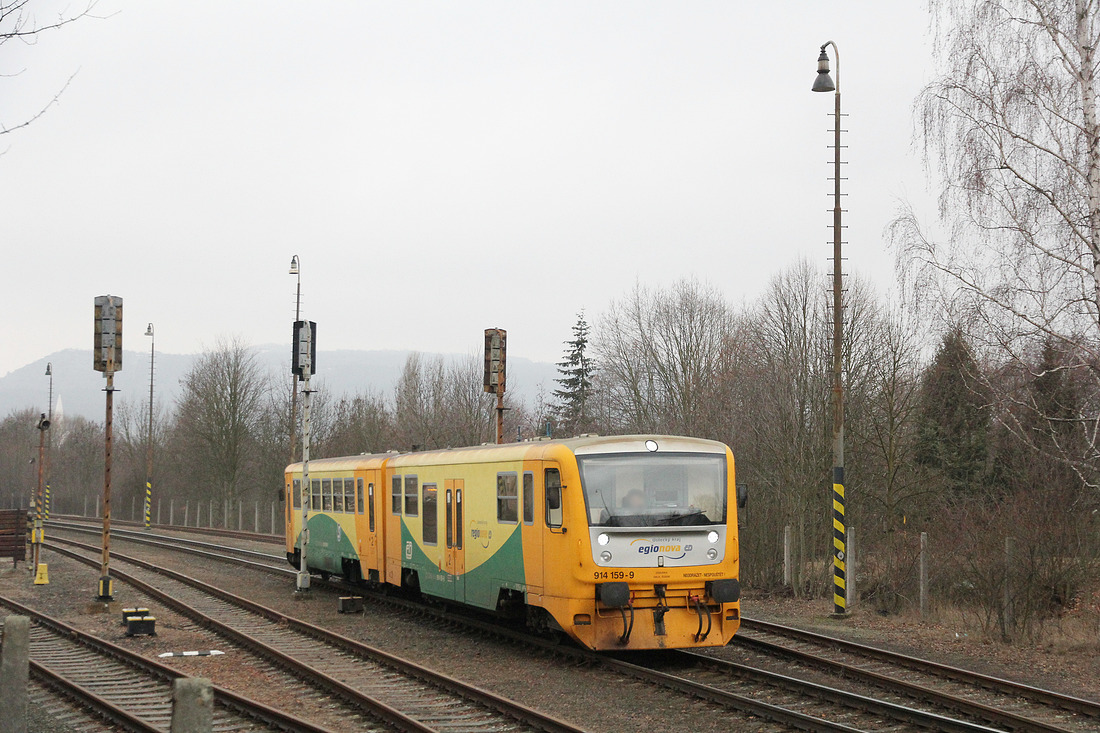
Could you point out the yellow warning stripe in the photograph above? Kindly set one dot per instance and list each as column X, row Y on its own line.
column 839, row 489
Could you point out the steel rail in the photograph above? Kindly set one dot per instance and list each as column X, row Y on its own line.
column 897, row 712
column 957, row 674
column 276, row 539
column 405, row 667
column 921, row 718
column 723, row 698
column 161, row 540
column 252, row 709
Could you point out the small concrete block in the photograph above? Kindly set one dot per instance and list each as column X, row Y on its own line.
column 192, row 705
column 14, row 667
column 141, row 626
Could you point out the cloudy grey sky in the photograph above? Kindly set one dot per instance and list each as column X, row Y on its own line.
column 439, row 167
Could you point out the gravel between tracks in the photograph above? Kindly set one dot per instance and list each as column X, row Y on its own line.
column 589, row 698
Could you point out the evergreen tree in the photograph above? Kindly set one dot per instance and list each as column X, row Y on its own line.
column 953, row 416
column 575, row 383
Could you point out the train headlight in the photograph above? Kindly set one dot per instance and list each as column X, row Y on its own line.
column 605, row 556
column 712, row 536
column 603, row 539
column 712, row 554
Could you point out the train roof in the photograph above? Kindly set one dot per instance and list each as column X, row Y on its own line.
column 580, row 445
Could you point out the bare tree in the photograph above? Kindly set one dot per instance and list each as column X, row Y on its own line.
column 1011, row 127
column 19, row 21
column 218, row 420
column 661, row 355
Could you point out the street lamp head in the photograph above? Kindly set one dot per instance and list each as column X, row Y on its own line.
column 823, row 82
column 149, row 331
column 49, row 369
column 294, row 265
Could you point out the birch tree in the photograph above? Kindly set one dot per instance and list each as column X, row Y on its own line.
column 1010, row 127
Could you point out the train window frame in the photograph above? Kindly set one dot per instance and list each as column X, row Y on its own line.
column 296, row 493
column 349, row 495
column 396, row 496
column 370, row 503
column 315, row 494
column 507, row 500
column 338, row 495
column 412, row 498
column 359, row 496
column 552, row 513
column 458, row 517
column 326, row 495
column 430, row 517
column 528, row 497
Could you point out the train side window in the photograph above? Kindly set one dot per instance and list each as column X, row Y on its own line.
column 315, row 491
column 326, row 495
column 297, row 493
column 553, row 497
column 528, row 497
column 507, row 498
column 411, row 496
column 450, row 523
column 395, row 493
column 338, row 495
column 349, row 495
column 458, row 519
column 370, row 503
column 359, row 496
column 430, row 527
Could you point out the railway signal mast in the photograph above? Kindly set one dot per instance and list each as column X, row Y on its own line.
column 107, row 359
column 496, row 347
column 303, row 365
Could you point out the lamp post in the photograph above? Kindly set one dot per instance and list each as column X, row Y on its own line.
column 296, row 271
column 49, row 437
column 43, row 425
column 149, row 447
column 824, row 83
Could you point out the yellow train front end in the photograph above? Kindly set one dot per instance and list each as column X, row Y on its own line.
column 646, row 556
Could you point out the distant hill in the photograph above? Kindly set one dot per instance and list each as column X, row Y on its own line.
column 79, row 389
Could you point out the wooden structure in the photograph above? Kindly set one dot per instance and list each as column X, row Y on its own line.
column 13, row 534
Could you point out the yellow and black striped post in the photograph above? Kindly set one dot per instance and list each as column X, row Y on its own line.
column 148, row 502
column 47, row 507
column 840, row 556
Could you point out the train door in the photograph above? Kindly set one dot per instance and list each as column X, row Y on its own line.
column 532, row 537
column 370, row 528
column 456, row 552
column 555, row 546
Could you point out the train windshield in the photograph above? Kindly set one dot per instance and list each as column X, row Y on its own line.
column 654, row 490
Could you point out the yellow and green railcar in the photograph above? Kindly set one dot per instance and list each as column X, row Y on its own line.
column 625, row 542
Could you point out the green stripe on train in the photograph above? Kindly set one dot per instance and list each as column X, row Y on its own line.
column 328, row 544
column 481, row 586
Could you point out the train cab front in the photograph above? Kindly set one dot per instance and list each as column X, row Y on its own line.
column 660, row 565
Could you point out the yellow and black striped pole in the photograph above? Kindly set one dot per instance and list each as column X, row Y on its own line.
column 47, row 507
column 840, row 550
column 148, row 503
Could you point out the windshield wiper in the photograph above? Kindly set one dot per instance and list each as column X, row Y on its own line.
column 696, row 516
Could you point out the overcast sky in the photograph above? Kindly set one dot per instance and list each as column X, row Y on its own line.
column 439, row 167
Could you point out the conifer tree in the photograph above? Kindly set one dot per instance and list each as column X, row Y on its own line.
column 571, row 408
column 953, row 416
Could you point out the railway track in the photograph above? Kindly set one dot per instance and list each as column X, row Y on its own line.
column 1001, row 702
column 275, row 539
column 366, row 680
column 795, row 702
column 124, row 689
